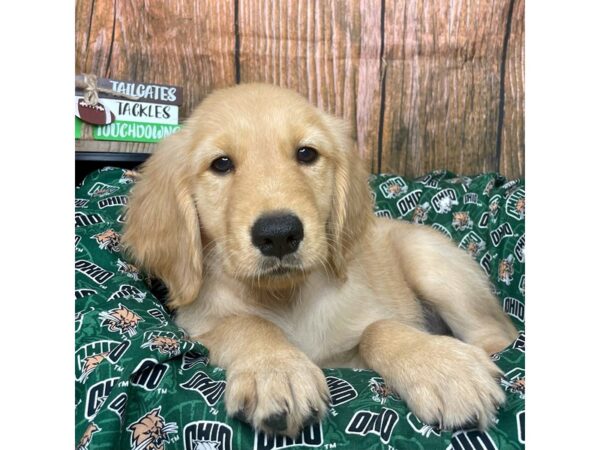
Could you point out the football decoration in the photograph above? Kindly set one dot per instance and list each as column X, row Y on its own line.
column 97, row 114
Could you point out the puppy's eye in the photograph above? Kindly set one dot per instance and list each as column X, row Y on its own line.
column 222, row 165
column 306, row 155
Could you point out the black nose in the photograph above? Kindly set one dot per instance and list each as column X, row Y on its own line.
column 277, row 234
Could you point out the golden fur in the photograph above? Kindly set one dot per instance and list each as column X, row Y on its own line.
column 358, row 298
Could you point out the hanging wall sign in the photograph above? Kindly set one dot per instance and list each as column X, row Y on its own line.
column 142, row 112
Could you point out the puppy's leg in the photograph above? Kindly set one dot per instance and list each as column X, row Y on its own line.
column 452, row 282
column 443, row 381
column 270, row 383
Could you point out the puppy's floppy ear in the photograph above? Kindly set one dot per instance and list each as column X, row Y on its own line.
column 352, row 202
column 162, row 230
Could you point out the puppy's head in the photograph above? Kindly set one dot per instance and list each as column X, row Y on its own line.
column 258, row 184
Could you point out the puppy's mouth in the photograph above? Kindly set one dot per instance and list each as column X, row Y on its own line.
column 280, row 271
column 274, row 267
column 288, row 269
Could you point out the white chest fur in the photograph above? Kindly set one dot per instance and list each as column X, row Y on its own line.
column 327, row 318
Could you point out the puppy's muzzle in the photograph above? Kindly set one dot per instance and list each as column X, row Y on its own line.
column 277, row 234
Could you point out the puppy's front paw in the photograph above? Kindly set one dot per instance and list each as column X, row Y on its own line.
column 450, row 383
column 281, row 393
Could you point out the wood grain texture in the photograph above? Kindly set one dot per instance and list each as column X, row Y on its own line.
column 370, row 80
column 311, row 47
column 442, row 85
column 512, row 147
column 425, row 84
column 89, row 145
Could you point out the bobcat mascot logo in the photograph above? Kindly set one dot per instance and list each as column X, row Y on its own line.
column 394, row 190
column 121, row 320
column 109, row 240
column 89, row 365
column 129, row 269
column 381, row 393
column 420, row 213
column 506, row 270
column 128, row 177
column 515, row 385
column 85, row 440
column 151, row 432
column 473, row 244
column 393, row 187
column 474, row 248
column 164, row 344
column 461, row 221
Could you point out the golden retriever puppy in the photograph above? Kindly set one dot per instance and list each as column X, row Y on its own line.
column 257, row 215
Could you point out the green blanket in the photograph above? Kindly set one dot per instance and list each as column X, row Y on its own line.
column 142, row 384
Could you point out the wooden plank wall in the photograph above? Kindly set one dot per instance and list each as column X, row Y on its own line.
column 426, row 84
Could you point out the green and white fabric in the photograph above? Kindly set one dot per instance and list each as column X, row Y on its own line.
column 142, row 384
